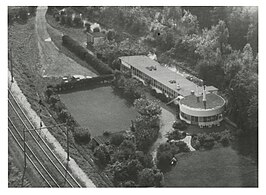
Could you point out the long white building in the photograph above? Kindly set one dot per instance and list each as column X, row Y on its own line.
column 173, row 85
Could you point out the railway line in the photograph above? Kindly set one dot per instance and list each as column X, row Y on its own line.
column 52, row 171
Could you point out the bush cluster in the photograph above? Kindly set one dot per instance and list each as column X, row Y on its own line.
column 117, row 139
column 175, row 135
column 82, row 135
column 82, row 83
column 20, row 14
column 166, row 152
column 179, row 124
column 208, row 141
column 83, row 54
column 126, row 165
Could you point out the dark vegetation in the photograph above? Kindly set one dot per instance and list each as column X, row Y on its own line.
column 125, row 158
column 20, row 14
column 208, row 141
column 82, row 135
column 83, row 54
column 75, row 84
column 167, row 151
column 126, row 165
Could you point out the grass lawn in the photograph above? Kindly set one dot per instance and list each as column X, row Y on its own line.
column 220, row 167
column 99, row 109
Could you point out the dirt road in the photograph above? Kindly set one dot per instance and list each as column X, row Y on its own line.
column 53, row 62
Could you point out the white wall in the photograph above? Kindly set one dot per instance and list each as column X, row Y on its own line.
column 201, row 112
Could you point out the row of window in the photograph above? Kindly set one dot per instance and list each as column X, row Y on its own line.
column 200, row 119
column 154, row 83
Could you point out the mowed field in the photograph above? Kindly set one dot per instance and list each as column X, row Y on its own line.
column 220, row 167
column 99, row 110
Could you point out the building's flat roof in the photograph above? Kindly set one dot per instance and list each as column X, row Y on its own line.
column 164, row 75
column 212, row 101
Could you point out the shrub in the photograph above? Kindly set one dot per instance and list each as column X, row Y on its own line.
column 96, row 29
column 208, row 143
column 88, row 27
column 77, row 22
column 150, row 178
column 23, row 14
column 127, row 149
column 111, row 35
column 164, row 160
column 182, row 146
column 225, row 140
column 181, row 125
column 32, row 10
column 57, row 17
column 195, row 143
column 81, row 135
column 53, row 100
column 144, row 159
column 83, row 54
column 49, row 92
column 117, row 139
column 102, row 155
column 63, row 115
column 174, row 135
column 129, row 184
column 69, row 20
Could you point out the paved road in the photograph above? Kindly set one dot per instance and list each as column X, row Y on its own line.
column 54, row 63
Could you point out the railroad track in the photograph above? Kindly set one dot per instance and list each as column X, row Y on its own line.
column 88, row 159
column 52, row 171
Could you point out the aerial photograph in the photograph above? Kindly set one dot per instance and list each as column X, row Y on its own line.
column 132, row 96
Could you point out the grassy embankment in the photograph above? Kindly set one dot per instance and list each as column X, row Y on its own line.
column 26, row 72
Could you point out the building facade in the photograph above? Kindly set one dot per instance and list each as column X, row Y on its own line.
column 95, row 38
column 194, row 109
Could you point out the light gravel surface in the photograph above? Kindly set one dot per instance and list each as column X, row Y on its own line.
column 35, row 119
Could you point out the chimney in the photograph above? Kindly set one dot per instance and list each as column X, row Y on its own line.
column 197, row 93
column 178, row 86
column 204, row 97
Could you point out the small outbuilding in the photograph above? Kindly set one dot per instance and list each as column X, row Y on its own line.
column 95, row 38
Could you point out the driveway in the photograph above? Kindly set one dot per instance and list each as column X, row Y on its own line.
column 53, row 62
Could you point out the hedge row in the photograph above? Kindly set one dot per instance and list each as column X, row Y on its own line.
column 83, row 54
column 83, row 82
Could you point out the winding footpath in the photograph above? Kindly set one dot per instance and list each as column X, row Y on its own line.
column 167, row 120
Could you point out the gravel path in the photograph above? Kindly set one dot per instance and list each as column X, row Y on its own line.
column 54, row 63
column 35, row 119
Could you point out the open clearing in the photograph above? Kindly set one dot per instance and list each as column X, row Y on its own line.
column 221, row 167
